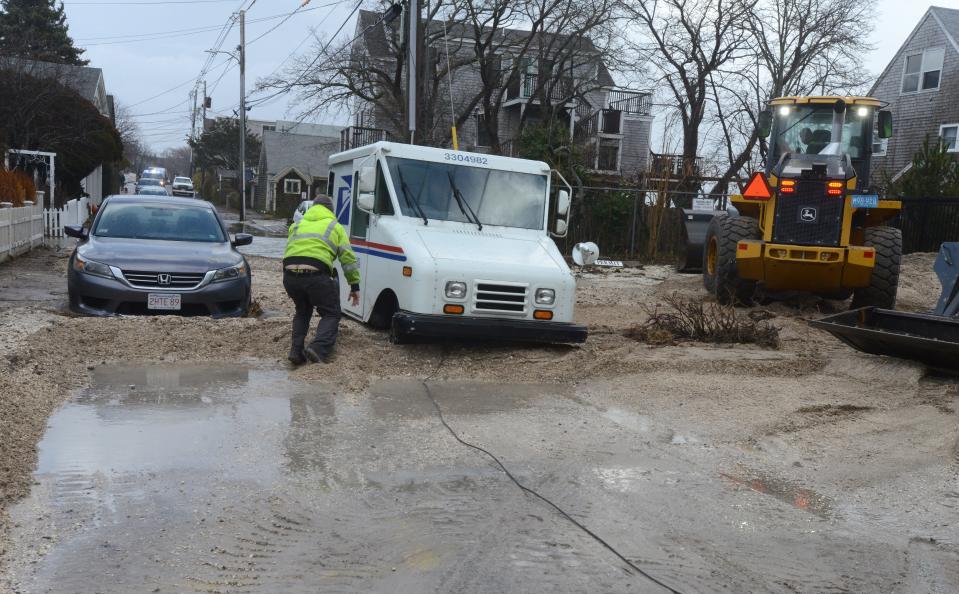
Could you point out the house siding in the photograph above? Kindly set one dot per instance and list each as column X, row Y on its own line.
column 917, row 115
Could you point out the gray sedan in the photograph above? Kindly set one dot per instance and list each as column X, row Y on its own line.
column 152, row 255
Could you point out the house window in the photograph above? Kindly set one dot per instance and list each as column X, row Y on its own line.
column 922, row 71
column 482, row 133
column 291, row 186
column 948, row 134
column 879, row 146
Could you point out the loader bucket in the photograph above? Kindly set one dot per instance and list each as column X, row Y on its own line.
column 695, row 223
column 931, row 338
column 927, row 338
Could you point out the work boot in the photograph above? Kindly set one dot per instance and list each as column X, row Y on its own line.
column 296, row 356
column 316, row 355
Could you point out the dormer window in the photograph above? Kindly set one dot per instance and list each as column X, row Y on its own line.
column 922, row 70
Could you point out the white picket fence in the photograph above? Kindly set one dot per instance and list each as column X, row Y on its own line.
column 21, row 230
column 74, row 212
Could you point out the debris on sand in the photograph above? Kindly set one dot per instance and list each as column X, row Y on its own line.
column 690, row 319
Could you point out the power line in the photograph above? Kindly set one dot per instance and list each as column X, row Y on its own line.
column 151, row 3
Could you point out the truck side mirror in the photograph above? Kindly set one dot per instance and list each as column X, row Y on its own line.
column 562, row 203
column 365, row 201
column 559, row 228
column 765, row 123
column 367, row 180
column 885, row 124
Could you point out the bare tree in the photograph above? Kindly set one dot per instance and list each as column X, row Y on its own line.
column 690, row 41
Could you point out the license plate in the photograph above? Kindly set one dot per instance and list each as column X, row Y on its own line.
column 168, row 301
column 865, row 201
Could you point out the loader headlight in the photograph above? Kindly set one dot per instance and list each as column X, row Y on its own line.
column 455, row 290
column 91, row 267
column 545, row 296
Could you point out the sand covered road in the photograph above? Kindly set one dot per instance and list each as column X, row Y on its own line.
column 813, row 410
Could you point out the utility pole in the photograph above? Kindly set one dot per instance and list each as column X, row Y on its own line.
column 412, row 46
column 206, row 103
column 193, row 133
column 242, row 175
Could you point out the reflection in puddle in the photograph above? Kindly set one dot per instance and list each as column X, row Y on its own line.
column 784, row 490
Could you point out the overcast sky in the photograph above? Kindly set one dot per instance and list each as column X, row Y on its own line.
column 124, row 39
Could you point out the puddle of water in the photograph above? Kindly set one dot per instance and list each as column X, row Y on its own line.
column 786, row 491
column 628, row 419
column 406, row 399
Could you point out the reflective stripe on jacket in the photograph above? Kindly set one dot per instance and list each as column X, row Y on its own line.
column 319, row 236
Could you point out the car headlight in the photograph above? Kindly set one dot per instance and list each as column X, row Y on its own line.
column 91, row 267
column 233, row 272
column 455, row 290
column 545, row 296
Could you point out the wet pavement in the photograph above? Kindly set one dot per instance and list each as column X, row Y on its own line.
column 269, row 237
column 234, row 479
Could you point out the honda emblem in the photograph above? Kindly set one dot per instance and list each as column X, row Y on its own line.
column 163, row 279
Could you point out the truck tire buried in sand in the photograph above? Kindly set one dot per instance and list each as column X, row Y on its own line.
column 884, row 282
column 720, row 275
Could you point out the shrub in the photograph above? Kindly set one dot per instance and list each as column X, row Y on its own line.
column 704, row 322
column 15, row 187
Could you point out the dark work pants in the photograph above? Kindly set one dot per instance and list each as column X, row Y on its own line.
column 309, row 292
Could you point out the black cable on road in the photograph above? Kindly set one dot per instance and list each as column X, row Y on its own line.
column 533, row 492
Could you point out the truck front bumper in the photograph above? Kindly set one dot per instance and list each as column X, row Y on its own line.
column 410, row 326
column 803, row 267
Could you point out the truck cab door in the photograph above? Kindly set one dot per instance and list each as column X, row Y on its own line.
column 358, row 229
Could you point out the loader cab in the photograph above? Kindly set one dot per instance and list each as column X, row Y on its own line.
column 810, row 126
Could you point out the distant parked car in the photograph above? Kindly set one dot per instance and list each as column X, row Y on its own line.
column 152, row 191
column 301, row 210
column 182, row 186
column 147, row 255
column 146, row 182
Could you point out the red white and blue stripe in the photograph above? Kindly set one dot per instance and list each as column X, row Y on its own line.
column 380, row 250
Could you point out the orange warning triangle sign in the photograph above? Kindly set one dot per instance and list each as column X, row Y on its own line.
column 758, row 187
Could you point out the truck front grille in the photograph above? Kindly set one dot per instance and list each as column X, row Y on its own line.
column 151, row 280
column 808, row 216
column 500, row 297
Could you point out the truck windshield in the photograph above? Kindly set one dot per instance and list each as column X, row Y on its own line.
column 807, row 129
column 504, row 198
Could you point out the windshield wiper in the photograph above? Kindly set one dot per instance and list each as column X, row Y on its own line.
column 413, row 202
column 463, row 203
column 796, row 123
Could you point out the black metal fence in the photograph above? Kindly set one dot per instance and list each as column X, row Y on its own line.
column 927, row 222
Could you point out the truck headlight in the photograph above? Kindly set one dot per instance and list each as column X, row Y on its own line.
column 455, row 290
column 91, row 267
column 545, row 296
column 238, row 271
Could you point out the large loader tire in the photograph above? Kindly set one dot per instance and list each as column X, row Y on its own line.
column 884, row 282
column 720, row 275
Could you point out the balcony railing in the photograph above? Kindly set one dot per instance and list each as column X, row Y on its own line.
column 604, row 121
column 677, row 166
column 356, row 136
column 630, row 102
column 526, row 86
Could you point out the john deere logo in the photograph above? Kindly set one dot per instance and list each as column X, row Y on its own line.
column 808, row 215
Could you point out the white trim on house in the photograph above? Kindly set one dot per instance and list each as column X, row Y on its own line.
column 955, row 137
column 945, row 30
column 928, row 62
column 292, row 186
column 292, row 168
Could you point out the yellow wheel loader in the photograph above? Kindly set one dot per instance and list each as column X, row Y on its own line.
column 808, row 222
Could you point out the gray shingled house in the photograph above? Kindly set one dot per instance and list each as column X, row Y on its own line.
column 921, row 85
column 611, row 125
column 292, row 166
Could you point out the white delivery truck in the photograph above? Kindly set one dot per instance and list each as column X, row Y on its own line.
column 454, row 244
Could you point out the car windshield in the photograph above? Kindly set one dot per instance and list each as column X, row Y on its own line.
column 807, row 129
column 504, row 198
column 183, row 180
column 153, row 191
column 156, row 221
column 147, row 181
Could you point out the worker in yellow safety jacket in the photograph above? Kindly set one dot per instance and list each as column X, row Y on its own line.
column 311, row 281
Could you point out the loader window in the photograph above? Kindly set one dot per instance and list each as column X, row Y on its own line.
column 807, row 129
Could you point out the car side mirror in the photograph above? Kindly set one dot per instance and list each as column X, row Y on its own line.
column 365, row 201
column 562, row 203
column 242, row 239
column 765, row 123
column 77, row 231
column 885, row 124
column 559, row 228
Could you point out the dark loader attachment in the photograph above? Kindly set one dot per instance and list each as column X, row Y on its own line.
column 930, row 338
